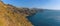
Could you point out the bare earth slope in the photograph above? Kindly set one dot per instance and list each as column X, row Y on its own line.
column 12, row 16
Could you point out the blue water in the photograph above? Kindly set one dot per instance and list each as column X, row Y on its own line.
column 46, row 18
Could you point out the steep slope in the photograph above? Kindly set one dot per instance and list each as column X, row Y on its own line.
column 12, row 16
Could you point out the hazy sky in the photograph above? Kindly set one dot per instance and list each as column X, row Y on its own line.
column 47, row 4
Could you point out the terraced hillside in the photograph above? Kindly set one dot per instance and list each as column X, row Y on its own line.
column 13, row 16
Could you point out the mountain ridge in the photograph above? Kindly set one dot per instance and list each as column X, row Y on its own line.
column 13, row 16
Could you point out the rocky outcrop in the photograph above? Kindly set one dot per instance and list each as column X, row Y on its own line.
column 13, row 16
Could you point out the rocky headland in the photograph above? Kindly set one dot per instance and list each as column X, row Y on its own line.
column 13, row 16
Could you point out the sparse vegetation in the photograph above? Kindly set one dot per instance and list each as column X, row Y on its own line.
column 13, row 16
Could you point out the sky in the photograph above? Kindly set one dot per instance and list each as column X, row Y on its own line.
column 46, row 4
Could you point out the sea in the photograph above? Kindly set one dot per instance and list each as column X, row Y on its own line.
column 45, row 18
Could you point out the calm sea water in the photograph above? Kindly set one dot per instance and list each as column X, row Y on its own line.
column 46, row 18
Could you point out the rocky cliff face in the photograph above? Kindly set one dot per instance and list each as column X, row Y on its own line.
column 13, row 16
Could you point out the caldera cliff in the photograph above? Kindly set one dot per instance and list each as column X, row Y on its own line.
column 13, row 16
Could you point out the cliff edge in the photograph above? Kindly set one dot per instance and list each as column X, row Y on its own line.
column 13, row 16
